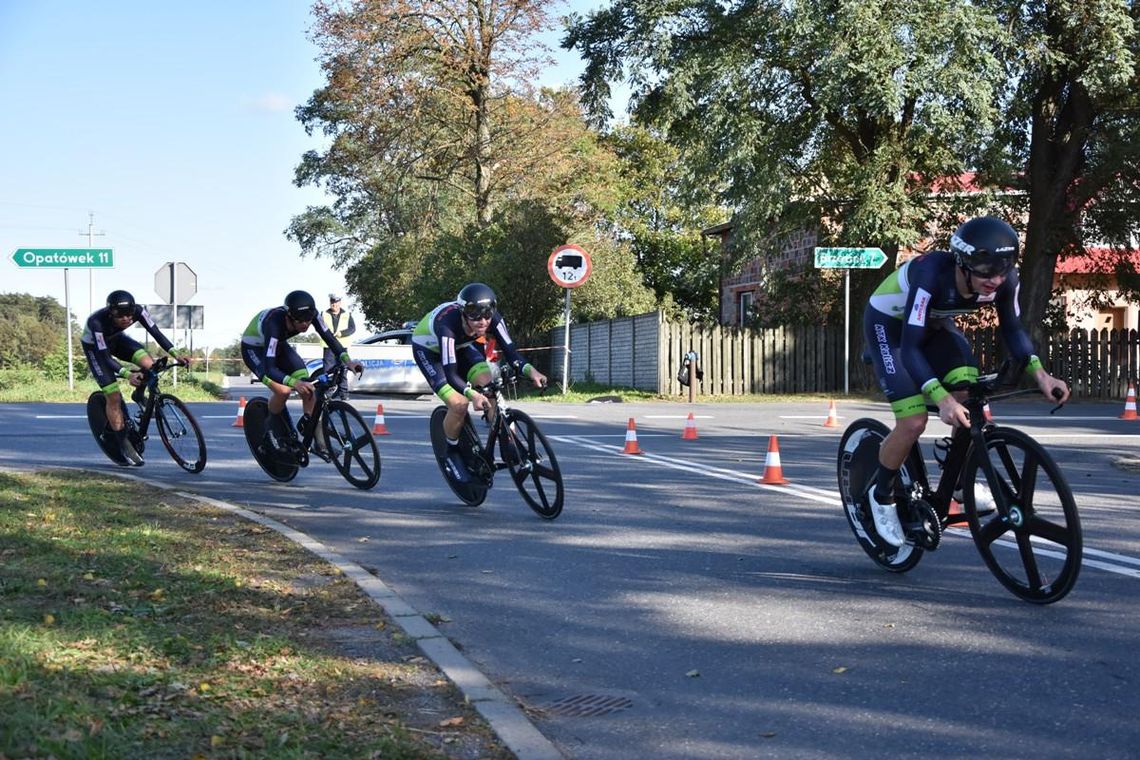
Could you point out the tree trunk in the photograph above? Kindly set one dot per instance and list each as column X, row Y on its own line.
column 1062, row 118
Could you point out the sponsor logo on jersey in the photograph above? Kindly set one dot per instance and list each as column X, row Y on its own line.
column 885, row 349
column 918, row 311
column 272, row 350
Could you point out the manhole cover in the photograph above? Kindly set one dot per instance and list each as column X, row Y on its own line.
column 587, row 705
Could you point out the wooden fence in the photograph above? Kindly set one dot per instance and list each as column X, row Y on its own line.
column 646, row 352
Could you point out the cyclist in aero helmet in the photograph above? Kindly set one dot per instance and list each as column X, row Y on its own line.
column 266, row 351
column 105, row 343
column 915, row 346
column 449, row 346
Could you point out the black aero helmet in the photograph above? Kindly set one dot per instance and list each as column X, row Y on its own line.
column 121, row 303
column 477, row 300
column 300, row 306
column 985, row 246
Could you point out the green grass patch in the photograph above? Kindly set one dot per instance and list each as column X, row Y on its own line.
column 583, row 392
column 22, row 385
column 138, row 624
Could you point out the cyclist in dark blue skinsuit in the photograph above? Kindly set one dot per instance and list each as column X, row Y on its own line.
column 104, row 344
column 266, row 351
column 915, row 346
column 447, row 349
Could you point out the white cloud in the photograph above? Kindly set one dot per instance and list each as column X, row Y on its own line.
column 270, row 102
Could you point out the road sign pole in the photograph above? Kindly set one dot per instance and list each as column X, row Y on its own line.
column 846, row 330
column 67, row 322
column 174, row 308
column 566, row 342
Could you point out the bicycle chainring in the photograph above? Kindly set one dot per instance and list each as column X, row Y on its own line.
column 924, row 525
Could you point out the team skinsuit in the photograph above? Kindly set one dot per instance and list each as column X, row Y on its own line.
column 104, row 342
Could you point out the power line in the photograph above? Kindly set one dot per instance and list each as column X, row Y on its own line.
column 91, row 235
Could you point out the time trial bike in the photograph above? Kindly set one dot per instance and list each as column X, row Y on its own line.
column 523, row 451
column 336, row 433
column 1027, row 531
column 177, row 428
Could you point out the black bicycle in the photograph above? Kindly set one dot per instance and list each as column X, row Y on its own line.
column 177, row 428
column 344, row 438
column 1029, row 536
column 523, row 451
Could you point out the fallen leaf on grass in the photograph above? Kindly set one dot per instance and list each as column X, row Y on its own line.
column 49, row 619
column 450, row 722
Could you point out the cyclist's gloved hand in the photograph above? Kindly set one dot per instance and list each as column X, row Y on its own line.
column 182, row 361
column 356, row 367
column 953, row 413
column 135, row 379
column 478, row 401
column 537, row 378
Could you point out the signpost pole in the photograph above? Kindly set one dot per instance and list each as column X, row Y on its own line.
column 67, row 323
column 174, row 310
column 846, row 330
column 566, row 342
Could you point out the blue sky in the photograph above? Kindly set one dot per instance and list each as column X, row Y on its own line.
column 173, row 124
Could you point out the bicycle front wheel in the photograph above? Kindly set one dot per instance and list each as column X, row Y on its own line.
column 180, row 433
column 351, row 446
column 1032, row 541
column 532, row 464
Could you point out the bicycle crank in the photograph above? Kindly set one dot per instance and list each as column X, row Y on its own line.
column 924, row 526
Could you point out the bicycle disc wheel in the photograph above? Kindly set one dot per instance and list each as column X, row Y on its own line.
column 97, row 420
column 352, row 448
column 1032, row 542
column 532, row 465
column 180, row 433
column 857, row 463
column 253, row 422
column 471, row 493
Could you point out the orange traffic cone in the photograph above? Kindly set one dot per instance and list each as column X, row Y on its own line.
column 832, row 418
column 773, row 471
column 1130, row 404
column 631, row 446
column 986, row 411
column 378, row 425
column 240, row 421
column 690, row 432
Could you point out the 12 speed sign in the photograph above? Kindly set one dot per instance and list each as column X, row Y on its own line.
column 569, row 266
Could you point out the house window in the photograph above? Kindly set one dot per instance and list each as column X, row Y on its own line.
column 744, row 311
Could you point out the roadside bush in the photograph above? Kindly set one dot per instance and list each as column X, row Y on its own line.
column 20, row 375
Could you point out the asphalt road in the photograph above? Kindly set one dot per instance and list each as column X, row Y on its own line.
column 704, row 615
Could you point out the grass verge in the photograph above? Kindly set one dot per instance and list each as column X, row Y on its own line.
column 134, row 623
column 23, row 385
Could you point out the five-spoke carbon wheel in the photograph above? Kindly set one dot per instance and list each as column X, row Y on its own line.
column 1032, row 541
column 180, row 433
column 532, row 464
column 351, row 446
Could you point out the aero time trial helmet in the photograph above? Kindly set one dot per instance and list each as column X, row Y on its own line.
column 985, row 246
column 477, row 301
column 300, row 306
column 121, row 303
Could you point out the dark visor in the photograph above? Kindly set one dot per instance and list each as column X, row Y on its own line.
column 477, row 311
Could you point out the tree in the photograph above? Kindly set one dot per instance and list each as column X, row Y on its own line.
column 436, row 134
column 31, row 328
column 827, row 114
column 1071, row 140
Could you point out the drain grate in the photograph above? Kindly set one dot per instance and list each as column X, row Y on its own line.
column 587, row 705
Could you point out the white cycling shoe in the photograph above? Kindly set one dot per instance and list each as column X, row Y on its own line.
column 983, row 498
column 887, row 523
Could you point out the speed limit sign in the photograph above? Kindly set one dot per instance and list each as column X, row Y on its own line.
column 569, row 266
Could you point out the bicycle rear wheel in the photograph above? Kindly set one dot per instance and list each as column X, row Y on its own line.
column 1032, row 542
column 97, row 421
column 254, row 422
column 532, row 464
column 473, row 492
column 857, row 463
column 351, row 446
column 180, row 433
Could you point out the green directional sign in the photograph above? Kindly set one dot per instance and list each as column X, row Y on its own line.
column 60, row 258
column 849, row 258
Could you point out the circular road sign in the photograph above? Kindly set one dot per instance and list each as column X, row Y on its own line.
column 569, row 266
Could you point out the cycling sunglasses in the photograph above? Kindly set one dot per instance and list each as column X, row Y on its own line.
column 987, row 267
column 477, row 311
column 122, row 312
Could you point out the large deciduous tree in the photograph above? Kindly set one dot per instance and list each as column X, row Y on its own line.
column 1071, row 139
column 438, row 140
column 814, row 112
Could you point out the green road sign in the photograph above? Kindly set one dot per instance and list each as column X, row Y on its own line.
column 849, row 258
column 59, row 258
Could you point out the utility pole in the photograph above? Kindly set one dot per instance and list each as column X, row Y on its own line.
column 91, row 234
